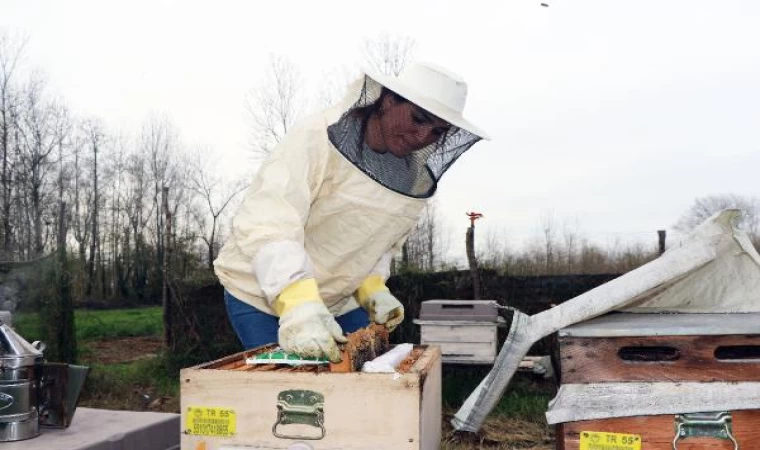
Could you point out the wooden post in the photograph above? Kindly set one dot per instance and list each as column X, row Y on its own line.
column 473, row 262
column 661, row 236
column 165, row 295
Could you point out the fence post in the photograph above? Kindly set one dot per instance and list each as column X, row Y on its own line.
column 661, row 236
column 470, row 243
column 472, row 261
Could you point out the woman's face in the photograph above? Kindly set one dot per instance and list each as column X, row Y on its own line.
column 406, row 127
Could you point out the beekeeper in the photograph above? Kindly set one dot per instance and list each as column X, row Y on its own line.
column 314, row 237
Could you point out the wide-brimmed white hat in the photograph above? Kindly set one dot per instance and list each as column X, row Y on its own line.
column 434, row 89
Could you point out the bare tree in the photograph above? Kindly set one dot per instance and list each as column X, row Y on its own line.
column 549, row 234
column 428, row 242
column 81, row 199
column 216, row 196
column 388, row 53
column 705, row 207
column 160, row 144
column 139, row 211
column 10, row 55
column 118, row 230
column 275, row 103
column 63, row 135
column 334, row 84
column 493, row 252
column 570, row 235
column 40, row 122
column 95, row 138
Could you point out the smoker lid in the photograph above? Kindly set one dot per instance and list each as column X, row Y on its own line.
column 15, row 351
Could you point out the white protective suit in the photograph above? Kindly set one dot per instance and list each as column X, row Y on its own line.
column 325, row 206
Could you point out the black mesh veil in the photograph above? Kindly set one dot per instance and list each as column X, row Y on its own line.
column 415, row 175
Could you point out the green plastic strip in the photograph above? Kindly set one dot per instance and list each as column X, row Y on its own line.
column 285, row 358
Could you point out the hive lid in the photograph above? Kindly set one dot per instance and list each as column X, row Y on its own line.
column 15, row 351
column 460, row 310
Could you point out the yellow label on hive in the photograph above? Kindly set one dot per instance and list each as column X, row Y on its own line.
column 206, row 421
column 595, row 440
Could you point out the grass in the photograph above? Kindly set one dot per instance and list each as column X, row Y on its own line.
column 517, row 422
column 526, row 398
column 98, row 324
column 133, row 385
column 138, row 386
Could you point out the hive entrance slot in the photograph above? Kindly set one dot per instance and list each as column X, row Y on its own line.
column 738, row 352
column 649, row 354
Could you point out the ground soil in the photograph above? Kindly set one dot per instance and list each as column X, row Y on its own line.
column 121, row 350
column 136, row 398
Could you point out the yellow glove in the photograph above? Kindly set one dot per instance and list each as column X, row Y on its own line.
column 380, row 304
column 307, row 327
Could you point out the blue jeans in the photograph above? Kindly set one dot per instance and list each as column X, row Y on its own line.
column 255, row 328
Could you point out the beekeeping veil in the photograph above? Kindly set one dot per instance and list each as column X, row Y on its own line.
column 435, row 90
column 715, row 269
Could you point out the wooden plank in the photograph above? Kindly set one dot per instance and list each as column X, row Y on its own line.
column 592, row 360
column 466, row 349
column 429, row 368
column 426, row 362
column 453, row 333
column 657, row 432
column 468, row 360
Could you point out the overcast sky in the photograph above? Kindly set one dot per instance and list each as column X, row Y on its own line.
column 611, row 115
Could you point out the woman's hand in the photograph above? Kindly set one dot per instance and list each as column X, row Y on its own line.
column 310, row 330
column 383, row 308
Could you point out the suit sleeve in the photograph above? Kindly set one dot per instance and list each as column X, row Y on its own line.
column 269, row 226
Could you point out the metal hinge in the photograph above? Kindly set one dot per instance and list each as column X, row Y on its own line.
column 716, row 425
column 297, row 406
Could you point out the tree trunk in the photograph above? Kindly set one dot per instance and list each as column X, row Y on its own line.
column 5, row 179
column 405, row 256
column 95, row 232
column 64, row 327
column 211, row 245
column 165, row 294
column 37, row 222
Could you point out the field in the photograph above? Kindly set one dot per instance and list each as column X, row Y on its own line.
column 123, row 348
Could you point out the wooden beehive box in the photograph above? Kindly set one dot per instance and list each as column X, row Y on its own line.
column 227, row 405
column 465, row 330
column 663, row 348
